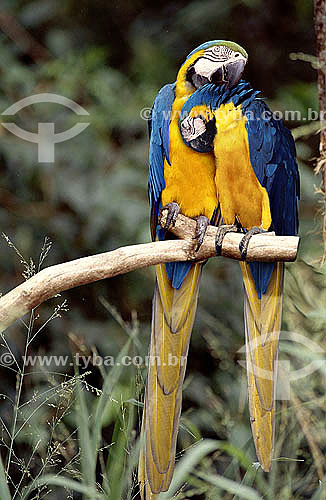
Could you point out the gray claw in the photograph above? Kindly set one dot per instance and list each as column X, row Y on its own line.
column 244, row 243
column 220, row 235
column 173, row 212
column 202, row 223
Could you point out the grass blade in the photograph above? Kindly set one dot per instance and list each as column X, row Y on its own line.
column 108, row 387
column 88, row 458
column 4, row 490
column 187, row 463
column 230, row 486
column 65, row 482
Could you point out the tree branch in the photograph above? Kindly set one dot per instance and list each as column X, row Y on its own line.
column 55, row 279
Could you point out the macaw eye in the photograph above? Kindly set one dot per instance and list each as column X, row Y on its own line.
column 216, row 49
column 237, row 54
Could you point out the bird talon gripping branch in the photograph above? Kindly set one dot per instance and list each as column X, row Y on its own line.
column 244, row 243
column 222, row 231
column 173, row 210
column 202, row 223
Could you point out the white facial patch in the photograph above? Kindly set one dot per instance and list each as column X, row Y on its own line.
column 206, row 67
column 191, row 128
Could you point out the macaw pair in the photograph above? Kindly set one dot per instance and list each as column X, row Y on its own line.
column 218, row 156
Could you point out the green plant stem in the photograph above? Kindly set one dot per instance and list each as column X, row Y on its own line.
column 21, row 375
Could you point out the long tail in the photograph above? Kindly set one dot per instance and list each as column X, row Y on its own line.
column 262, row 326
column 173, row 317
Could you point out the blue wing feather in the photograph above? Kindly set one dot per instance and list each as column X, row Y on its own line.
column 273, row 158
column 159, row 148
column 159, row 151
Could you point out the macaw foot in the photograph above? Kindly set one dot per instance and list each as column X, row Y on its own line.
column 173, row 212
column 202, row 223
column 220, row 235
column 243, row 245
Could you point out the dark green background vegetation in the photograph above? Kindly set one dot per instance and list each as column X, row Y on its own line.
column 112, row 57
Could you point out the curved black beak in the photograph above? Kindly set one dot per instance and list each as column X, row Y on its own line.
column 234, row 71
column 218, row 77
column 229, row 73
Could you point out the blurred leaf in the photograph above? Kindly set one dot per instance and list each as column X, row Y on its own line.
column 65, row 483
column 108, row 386
column 187, row 464
column 320, row 494
column 38, row 12
column 231, row 486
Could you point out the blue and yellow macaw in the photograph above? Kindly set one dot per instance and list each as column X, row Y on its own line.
column 179, row 179
column 257, row 184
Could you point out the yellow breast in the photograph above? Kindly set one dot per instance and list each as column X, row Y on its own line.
column 240, row 193
column 190, row 179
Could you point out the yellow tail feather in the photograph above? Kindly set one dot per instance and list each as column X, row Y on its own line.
column 173, row 318
column 262, row 326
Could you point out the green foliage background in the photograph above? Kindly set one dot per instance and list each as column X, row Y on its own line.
column 112, row 58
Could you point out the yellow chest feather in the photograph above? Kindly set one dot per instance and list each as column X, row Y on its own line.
column 190, row 179
column 240, row 193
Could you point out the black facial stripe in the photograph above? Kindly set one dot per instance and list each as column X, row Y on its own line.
column 219, row 51
column 215, row 58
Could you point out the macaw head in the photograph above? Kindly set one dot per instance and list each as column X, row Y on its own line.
column 219, row 62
